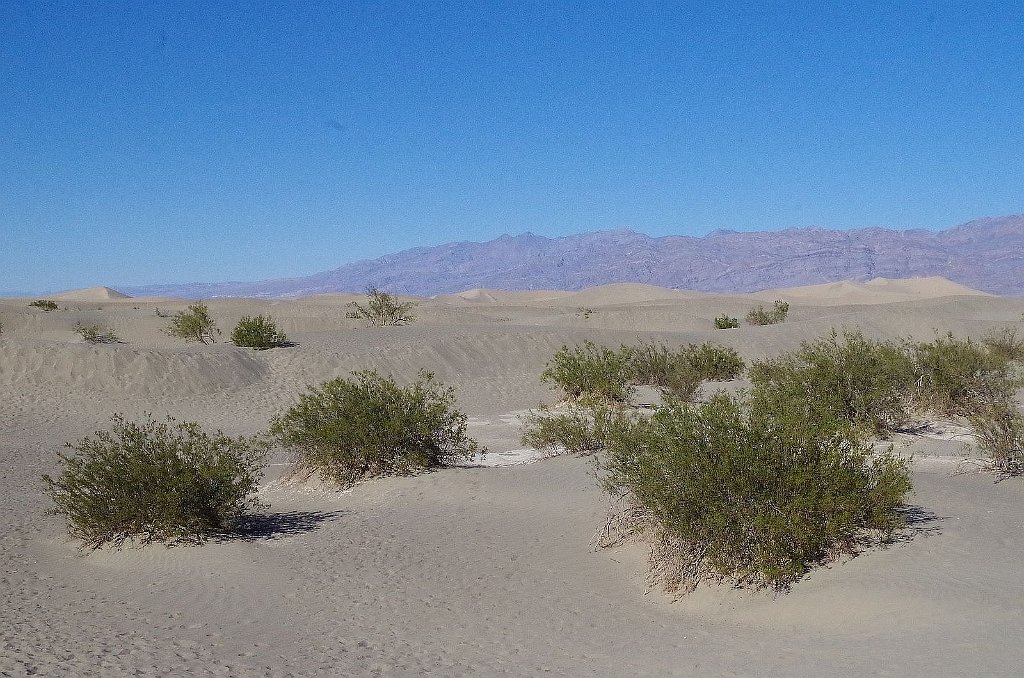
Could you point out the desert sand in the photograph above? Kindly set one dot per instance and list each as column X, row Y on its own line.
column 483, row 570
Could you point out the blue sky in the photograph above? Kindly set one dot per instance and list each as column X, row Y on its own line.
column 152, row 142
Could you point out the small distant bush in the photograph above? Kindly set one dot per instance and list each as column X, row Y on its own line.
column 584, row 312
column 1005, row 344
column 759, row 316
column 577, row 430
column 346, row 430
column 722, row 493
column 194, row 324
column 156, row 481
column 95, row 334
column 258, row 332
column 724, row 322
column 45, row 304
column 591, row 372
column 849, row 378
column 382, row 309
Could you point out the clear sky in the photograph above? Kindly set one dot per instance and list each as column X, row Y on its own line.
column 145, row 142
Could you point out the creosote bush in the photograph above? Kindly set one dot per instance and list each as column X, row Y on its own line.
column 759, row 316
column 259, row 332
column 958, row 377
column 163, row 481
column 382, row 309
column 577, row 429
column 45, row 304
column 723, row 492
column 724, row 322
column 1005, row 344
column 347, row 430
column 95, row 334
column 590, row 372
column 194, row 324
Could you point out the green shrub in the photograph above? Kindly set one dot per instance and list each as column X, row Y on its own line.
column 258, row 332
column 156, row 481
column 957, row 377
column 382, row 310
column 1005, row 344
column 346, row 430
column 94, row 334
column 866, row 383
column 999, row 433
column 724, row 322
column 759, row 316
column 680, row 373
column 724, row 492
column 590, row 372
column 714, row 362
column 578, row 430
column 194, row 324
column 45, row 304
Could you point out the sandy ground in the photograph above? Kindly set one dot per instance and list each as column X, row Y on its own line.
column 481, row 570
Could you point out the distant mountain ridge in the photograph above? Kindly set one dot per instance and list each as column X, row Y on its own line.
column 984, row 254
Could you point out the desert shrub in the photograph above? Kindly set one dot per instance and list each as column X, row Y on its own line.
column 999, row 433
column 346, row 430
column 382, row 309
column 680, row 373
column 45, row 304
column 194, row 324
column 722, row 493
column 258, row 332
column 590, row 372
column 94, row 334
column 864, row 382
column 724, row 322
column 1005, row 344
column 714, row 362
column 577, row 430
column 759, row 316
column 156, row 481
column 957, row 377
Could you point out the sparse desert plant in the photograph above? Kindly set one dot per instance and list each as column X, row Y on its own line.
column 1005, row 344
column 347, row 430
column 724, row 322
column 760, row 316
column 194, row 324
column 584, row 312
column 721, row 495
column 957, row 377
column 382, row 309
column 259, row 332
column 576, row 430
column 864, row 382
column 161, row 314
column 95, row 334
column 680, row 373
column 590, row 372
column 163, row 481
column 999, row 433
column 45, row 304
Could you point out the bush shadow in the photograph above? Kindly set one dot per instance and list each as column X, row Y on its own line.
column 268, row 526
column 919, row 522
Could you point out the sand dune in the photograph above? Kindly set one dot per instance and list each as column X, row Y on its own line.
column 471, row 571
column 90, row 294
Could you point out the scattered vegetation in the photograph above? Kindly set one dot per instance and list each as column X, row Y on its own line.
column 725, row 492
column 576, row 430
column 724, row 322
column 161, row 314
column 382, row 310
column 1005, row 344
column 95, row 334
column 584, row 312
column 958, row 377
column 589, row 372
column 258, row 332
column 760, row 316
column 156, row 481
column 45, row 304
column 194, row 324
column 346, row 430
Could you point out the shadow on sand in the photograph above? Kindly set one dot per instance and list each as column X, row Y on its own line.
column 264, row 526
column 920, row 522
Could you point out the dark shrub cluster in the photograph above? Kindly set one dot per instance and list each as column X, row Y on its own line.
column 725, row 492
column 259, row 332
column 590, row 372
column 346, row 430
column 760, row 316
column 156, row 481
column 95, row 334
column 724, row 322
column 577, row 429
column 45, row 304
column 194, row 324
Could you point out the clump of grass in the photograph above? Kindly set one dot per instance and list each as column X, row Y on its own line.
column 164, row 481
column 347, row 430
column 95, row 334
column 723, row 493
column 760, row 316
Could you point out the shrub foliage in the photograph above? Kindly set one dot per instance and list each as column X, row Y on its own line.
column 724, row 322
column 156, row 481
column 95, row 334
column 194, row 324
column 382, row 309
column 725, row 492
column 346, row 430
column 259, row 332
column 45, row 304
column 777, row 314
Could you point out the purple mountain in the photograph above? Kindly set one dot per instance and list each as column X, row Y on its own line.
column 986, row 254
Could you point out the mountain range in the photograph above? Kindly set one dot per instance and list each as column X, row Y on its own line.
column 985, row 254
